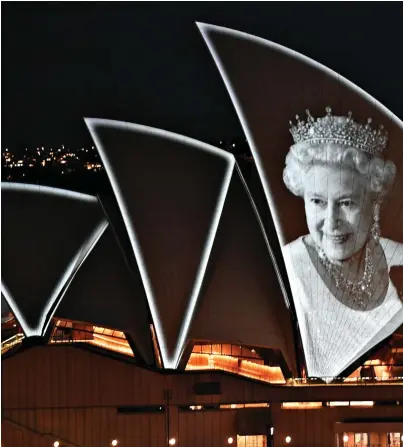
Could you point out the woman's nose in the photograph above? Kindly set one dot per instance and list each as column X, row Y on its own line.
column 332, row 217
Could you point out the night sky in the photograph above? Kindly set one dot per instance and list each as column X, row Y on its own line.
column 147, row 62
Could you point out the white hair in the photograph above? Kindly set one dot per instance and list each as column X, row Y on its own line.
column 380, row 173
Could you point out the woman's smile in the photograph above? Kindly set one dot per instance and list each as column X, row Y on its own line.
column 337, row 239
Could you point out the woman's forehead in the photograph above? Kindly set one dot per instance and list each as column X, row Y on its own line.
column 334, row 180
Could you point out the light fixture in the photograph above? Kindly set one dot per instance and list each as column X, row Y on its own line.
column 56, row 444
column 172, row 441
column 288, row 439
column 230, row 440
column 345, row 438
column 114, row 442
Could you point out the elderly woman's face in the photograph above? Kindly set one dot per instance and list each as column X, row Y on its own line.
column 339, row 210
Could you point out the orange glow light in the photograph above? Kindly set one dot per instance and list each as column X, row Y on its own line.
column 301, row 405
column 247, row 368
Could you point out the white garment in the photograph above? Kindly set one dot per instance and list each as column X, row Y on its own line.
column 334, row 335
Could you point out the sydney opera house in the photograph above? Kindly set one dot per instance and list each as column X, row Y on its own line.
column 177, row 309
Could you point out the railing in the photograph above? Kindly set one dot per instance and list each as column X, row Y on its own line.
column 47, row 435
column 310, row 382
column 108, row 342
column 122, row 346
column 363, row 444
column 11, row 342
column 346, row 381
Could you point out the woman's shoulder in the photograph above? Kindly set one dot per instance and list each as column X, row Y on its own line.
column 393, row 251
column 295, row 249
column 297, row 244
column 297, row 261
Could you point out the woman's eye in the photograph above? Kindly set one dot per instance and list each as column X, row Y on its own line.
column 346, row 203
column 317, row 201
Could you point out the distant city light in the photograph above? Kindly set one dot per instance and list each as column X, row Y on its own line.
column 64, row 160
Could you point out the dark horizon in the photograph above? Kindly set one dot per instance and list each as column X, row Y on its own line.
column 148, row 64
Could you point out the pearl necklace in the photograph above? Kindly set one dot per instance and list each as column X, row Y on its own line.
column 360, row 291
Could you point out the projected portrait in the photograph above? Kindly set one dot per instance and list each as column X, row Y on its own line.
column 340, row 272
column 334, row 191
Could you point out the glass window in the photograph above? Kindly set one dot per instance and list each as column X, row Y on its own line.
column 252, row 441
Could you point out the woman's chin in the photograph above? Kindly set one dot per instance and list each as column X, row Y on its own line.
column 338, row 254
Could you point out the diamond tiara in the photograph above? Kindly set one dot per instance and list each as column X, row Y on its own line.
column 340, row 130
